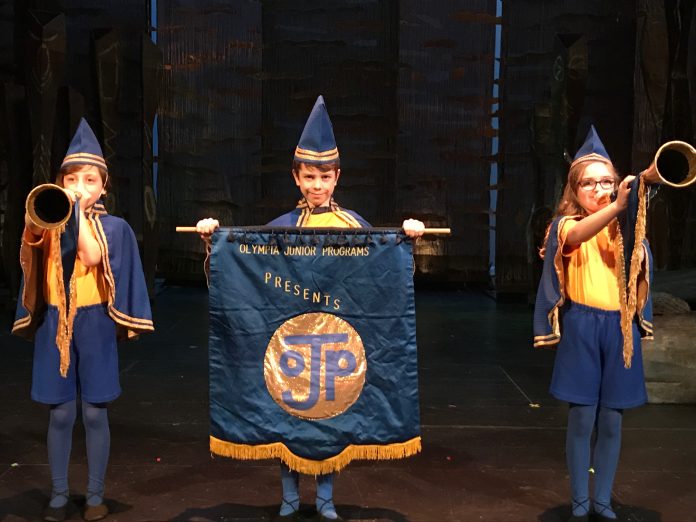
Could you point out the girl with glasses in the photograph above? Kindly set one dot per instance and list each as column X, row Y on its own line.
column 579, row 309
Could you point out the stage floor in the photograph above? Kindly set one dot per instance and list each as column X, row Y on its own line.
column 493, row 438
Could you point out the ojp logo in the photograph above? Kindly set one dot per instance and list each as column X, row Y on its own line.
column 315, row 366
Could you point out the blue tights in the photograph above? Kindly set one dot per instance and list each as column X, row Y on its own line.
column 98, row 440
column 581, row 423
column 291, row 494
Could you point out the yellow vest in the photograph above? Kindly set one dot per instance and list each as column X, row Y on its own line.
column 90, row 285
column 591, row 274
column 328, row 219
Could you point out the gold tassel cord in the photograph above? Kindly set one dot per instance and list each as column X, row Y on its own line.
column 626, row 329
column 67, row 305
column 635, row 266
column 62, row 339
column 280, row 451
column 72, row 310
column 628, row 289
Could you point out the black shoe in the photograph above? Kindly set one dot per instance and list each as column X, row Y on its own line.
column 580, row 504
column 322, row 518
column 52, row 514
column 598, row 516
column 292, row 517
column 576, row 518
column 56, row 514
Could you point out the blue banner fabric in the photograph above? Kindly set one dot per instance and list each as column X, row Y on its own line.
column 313, row 346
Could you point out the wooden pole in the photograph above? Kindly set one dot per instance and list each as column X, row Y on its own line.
column 430, row 231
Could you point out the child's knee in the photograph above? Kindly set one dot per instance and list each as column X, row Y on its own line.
column 94, row 415
column 581, row 419
column 609, row 422
column 63, row 415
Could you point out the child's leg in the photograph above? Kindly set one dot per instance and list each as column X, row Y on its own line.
column 98, row 439
column 291, row 495
column 606, row 458
column 581, row 421
column 325, row 505
column 59, row 442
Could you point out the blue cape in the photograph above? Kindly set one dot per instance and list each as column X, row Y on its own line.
column 128, row 301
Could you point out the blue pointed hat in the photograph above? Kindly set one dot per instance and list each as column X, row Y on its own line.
column 84, row 148
column 317, row 144
column 592, row 150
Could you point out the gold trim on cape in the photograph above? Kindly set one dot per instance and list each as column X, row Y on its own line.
column 130, row 323
column 552, row 317
column 341, row 214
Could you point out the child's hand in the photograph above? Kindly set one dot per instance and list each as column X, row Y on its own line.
column 623, row 191
column 413, row 228
column 205, row 227
column 72, row 195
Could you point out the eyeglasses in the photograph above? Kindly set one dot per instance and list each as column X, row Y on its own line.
column 590, row 184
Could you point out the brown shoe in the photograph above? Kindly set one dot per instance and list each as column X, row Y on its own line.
column 95, row 512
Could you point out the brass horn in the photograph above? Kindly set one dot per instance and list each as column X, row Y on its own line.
column 674, row 165
column 48, row 206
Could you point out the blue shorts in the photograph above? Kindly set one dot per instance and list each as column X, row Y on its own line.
column 93, row 359
column 589, row 366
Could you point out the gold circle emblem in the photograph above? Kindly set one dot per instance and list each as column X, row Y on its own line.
column 315, row 366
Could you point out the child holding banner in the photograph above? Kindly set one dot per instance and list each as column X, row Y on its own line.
column 598, row 368
column 316, row 170
column 83, row 286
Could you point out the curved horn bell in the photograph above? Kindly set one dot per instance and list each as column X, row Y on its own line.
column 674, row 165
column 48, row 206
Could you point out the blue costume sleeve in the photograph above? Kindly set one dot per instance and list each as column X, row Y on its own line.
column 361, row 220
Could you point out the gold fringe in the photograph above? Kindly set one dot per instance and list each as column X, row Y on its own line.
column 628, row 289
column 72, row 310
column 66, row 306
column 626, row 329
column 398, row 450
column 635, row 266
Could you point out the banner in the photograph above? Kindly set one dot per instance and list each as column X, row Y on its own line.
column 312, row 346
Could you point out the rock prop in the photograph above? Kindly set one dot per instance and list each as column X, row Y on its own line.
column 670, row 360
